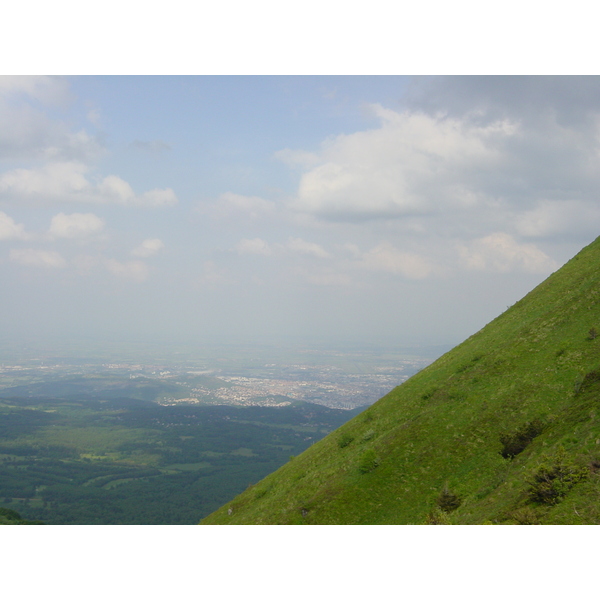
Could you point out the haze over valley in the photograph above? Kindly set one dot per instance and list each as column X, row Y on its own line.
column 228, row 375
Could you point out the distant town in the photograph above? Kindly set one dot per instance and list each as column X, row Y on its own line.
column 335, row 379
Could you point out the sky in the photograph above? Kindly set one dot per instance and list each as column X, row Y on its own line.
column 403, row 210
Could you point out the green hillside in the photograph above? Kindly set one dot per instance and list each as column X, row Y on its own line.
column 504, row 428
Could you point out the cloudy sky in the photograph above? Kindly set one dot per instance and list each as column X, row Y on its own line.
column 406, row 209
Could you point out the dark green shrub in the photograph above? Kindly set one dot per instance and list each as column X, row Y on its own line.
column 525, row 516
column 437, row 517
column 344, row 440
column 10, row 514
column 12, row 517
column 554, row 479
column 514, row 443
column 368, row 435
column 368, row 461
column 447, row 501
column 589, row 380
column 592, row 334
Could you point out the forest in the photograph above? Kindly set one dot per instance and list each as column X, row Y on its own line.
column 84, row 460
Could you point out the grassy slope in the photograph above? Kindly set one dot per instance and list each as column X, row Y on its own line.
column 442, row 427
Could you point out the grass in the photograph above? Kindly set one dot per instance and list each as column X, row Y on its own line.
column 447, row 426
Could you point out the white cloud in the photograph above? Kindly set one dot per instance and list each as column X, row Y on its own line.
column 501, row 253
column 295, row 245
column 114, row 189
column 75, row 225
column 386, row 257
column 73, row 145
column 27, row 132
column 549, row 218
column 156, row 198
column 466, row 174
column 37, row 258
column 255, row 246
column 232, row 205
column 412, row 164
column 68, row 181
column 47, row 89
column 9, row 230
column 94, row 116
column 308, row 248
column 148, row 248
column 133, row 270
column 52, row 180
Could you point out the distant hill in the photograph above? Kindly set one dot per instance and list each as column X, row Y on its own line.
column 504, row 428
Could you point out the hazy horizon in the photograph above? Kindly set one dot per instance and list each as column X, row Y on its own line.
column 355, row 210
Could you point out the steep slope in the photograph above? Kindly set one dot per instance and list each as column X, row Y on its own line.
column 504, row 428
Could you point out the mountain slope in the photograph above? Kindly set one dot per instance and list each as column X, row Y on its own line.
column 504, row 428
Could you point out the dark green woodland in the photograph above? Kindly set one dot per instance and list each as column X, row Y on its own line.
column 81, row 459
